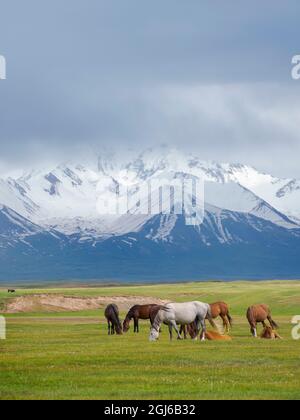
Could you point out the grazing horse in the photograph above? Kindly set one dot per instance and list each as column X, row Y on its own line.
column 260, row 313
column 140, row 312
column 183, row 314
column 11, row 291
column 222, row 309
column 113, row 320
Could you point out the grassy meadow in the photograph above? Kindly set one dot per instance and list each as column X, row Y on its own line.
column 68, row 355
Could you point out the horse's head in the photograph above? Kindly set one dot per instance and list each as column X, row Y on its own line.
column 126, row 326
column 119, row 329
column 268, row 333
column 154, row 334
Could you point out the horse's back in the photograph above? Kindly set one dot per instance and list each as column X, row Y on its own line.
column 219, row 308
column 258, row 313
column 216, row 336
column 184, row 313
column 110, row 309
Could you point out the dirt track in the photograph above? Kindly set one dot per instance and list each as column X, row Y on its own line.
column 60, row 303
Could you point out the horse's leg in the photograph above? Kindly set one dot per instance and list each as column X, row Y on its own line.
column 174, row 325
column 171, row 332
column 254, row 329
column 136, row 325
column 112, row 328
column 228, row 326
column 108, row 324
column 203, row 332
column 185, row 332
column 181, row 329
column 225, row 323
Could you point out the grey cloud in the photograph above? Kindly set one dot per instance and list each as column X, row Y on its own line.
column 212, row 75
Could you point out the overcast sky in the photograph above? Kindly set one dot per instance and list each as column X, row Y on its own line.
column 209, row 76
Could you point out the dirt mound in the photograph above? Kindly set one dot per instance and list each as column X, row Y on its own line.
column 60, row 303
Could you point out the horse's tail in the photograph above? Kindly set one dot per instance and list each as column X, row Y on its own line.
column 274, row 325
column 230, row 319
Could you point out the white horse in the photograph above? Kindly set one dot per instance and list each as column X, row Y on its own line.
column 173, row 314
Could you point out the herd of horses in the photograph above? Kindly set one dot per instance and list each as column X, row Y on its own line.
column 188, row 319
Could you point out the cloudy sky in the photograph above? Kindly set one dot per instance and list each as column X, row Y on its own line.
column 205, row 75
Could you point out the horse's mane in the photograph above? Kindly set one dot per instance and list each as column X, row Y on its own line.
column 130, row 314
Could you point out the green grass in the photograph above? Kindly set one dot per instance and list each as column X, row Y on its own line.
column 70, row 356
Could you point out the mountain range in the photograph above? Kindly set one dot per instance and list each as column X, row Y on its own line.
column 51, row 229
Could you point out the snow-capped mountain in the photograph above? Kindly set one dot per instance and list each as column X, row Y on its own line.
column 52, row 216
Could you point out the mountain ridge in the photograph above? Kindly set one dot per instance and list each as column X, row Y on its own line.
column 50, row 227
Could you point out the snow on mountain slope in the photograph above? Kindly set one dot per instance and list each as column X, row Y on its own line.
column 11, row 223
column 234, row 197
column 65, row 197
column 283, row 194
column 13, row 195
column 66, row 191
column 18, row 232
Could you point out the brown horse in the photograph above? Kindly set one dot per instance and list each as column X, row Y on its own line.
column 270, row 334
column 215, row 336
column 260, row 313
column 11, row 291
column 113, row 320
column 138, row 312
column 222, row 309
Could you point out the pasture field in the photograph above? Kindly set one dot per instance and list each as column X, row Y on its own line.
column 68, row 355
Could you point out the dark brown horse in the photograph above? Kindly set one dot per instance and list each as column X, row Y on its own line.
column 138, row 312
column 113, row 320
column 260, row 313
column 11, row 291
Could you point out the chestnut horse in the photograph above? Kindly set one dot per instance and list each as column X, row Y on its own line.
column 260, row 313
column 270, row 334
column 138, row 312
column 222, row 309
column 113, row 320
